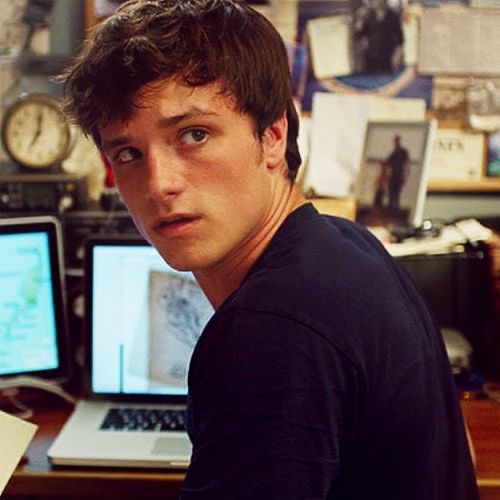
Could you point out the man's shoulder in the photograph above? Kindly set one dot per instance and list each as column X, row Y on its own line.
column 324, row 249
column 315, row 272
column 317, row 248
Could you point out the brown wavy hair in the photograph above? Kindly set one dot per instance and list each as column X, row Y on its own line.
column 200, row 41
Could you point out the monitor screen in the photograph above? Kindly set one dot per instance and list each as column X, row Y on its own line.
column 32, row 310
column 143, row 319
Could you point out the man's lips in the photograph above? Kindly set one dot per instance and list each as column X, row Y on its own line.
column 176, row 223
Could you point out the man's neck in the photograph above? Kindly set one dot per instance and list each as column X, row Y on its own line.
column 219, row 283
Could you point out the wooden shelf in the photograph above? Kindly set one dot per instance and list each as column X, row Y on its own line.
column 485, row 185
column 341, row 207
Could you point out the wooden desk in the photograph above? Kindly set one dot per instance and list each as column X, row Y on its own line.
column 483, row 420
column 35, row 477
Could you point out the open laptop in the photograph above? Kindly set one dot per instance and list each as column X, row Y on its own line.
column 142, row 320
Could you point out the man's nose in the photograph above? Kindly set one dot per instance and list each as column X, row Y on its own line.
column 165, row 172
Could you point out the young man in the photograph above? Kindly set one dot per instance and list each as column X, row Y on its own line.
column 321, row 373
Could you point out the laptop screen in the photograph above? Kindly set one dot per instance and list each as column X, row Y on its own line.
column 32, row 309
column 143, row 319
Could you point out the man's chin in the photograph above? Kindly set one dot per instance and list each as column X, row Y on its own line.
column 177, row 261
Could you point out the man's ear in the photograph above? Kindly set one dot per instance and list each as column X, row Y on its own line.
column 274, row 142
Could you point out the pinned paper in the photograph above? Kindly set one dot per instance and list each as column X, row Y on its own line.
column 338, row 132
column 457, row 155
column 329, row 42
column 15, row 436
column 456, row 40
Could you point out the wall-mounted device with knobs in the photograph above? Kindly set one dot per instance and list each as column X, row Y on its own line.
column 40, row 192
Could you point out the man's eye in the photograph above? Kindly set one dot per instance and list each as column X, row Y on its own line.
column 125, row 155
column 194, row 136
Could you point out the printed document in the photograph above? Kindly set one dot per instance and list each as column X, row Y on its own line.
column 15, row 435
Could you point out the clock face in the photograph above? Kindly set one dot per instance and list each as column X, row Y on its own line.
column 35, row 132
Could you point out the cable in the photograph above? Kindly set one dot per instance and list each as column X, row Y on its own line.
column 36, row 383
column 11, row 394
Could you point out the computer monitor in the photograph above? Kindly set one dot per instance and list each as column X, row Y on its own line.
column 33, row 333
column 457, row 287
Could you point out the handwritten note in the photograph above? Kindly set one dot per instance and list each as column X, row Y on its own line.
column 15, row 435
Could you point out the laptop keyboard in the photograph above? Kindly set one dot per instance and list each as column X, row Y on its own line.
column 144, row 419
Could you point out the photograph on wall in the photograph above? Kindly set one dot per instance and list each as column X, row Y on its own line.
column 483, row 104
column 377, row 37
column 392, row 180
column 449, row 99
column 378, row 56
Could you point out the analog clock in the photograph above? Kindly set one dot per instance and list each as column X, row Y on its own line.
column 35, row 132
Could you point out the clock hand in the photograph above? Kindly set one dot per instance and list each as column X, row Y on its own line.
column 38, row 128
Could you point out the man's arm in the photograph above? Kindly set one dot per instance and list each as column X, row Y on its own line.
column 271, row 411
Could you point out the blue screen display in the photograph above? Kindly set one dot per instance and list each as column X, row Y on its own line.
column 28, row 335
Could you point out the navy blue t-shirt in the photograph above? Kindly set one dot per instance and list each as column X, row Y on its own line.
column 324, row 376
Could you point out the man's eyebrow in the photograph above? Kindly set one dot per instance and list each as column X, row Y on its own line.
column 170, row 121
column 113, row 143
column 165, row 122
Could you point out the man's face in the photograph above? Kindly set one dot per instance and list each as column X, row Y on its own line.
column 193, row 174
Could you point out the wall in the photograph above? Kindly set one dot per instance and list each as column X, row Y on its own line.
column 453, row 206
column 68, row 26
column 67, row 32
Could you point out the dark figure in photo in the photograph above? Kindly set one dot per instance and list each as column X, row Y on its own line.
column 377, row 30
column 398, row 162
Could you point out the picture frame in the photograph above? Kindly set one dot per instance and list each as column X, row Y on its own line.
column 391, row 185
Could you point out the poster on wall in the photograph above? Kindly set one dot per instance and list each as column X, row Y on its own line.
column 457, row 156
column 379, row 57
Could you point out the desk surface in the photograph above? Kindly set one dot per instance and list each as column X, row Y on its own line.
column 36, row 477
column 483, row 419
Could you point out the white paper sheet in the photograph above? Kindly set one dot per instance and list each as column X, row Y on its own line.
column 337, row 136
column 15, row 435
column 457, row 155
column 456, row 40
column 329, row 42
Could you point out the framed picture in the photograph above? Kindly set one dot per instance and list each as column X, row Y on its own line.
column 392, row 180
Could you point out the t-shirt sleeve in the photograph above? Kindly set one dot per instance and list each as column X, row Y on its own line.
column 272, row 404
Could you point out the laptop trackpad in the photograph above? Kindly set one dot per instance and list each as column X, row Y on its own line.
column 172, row 447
